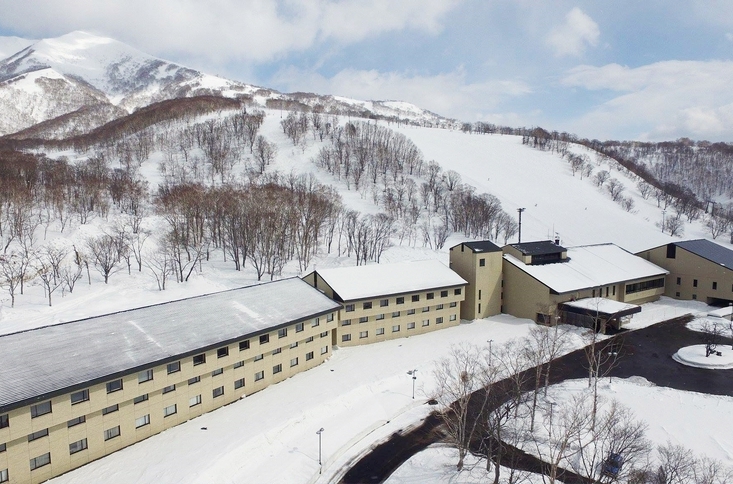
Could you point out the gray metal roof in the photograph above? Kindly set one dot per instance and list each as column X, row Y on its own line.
column 39, row 363
column 709, row 250
column 482, row 246
column 539, row 247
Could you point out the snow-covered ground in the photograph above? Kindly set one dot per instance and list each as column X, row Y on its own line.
column 696, row 355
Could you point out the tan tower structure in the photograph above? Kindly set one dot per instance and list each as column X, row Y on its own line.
column 479, row 263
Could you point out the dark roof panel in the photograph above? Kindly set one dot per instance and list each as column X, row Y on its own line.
column 483, row 246
column 709, row 250
column 539, row 247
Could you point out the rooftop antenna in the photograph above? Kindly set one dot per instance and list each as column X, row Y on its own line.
column 520, row 210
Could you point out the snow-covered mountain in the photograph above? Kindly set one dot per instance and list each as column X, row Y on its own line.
column 53, row 77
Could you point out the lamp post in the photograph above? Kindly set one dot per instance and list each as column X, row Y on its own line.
column 490, row 352
column 520, row 210
column 320, row 463
column 414, row 377
column 664, row 212
column 730, row 315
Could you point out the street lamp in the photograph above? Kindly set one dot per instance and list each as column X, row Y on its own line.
column 414, row 377
column 730, row 314
column 320, row 463
column 520, row 210
column 490, row 352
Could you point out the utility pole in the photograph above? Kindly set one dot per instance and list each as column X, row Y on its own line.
column 520, row 210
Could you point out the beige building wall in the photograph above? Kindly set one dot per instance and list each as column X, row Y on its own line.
column 300, row 347
column 691, row 276
column 484, row 291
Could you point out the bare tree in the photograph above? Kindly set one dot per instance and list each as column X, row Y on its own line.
column 264, row 152
column 615, row 188
column 11, row 273
column 161, row 265
column 104, row 254
column 712, row 335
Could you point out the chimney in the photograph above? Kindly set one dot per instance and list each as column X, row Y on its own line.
column 557, row 240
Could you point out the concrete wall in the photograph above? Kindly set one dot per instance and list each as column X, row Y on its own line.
column 483, row 293
column 311, row 345
column 696, row 275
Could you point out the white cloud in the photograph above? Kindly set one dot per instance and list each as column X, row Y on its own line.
column 664, row 100
column 448, row 94
column 572, row 37
column 225, row 30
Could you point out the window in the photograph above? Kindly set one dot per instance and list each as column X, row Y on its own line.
column 453, row 304
column 38, row 435
column 282, row 332
column 345, row 337
column 193, row 380
column 293, row 345
column 479, row 307
column 259, row 375
column 324, row 350
column 345, row 322
column 299, row 327
column 396, row 314
column 694, row 283
column 479, row 293
column 113, row 432
column 410, row 325
column 222, row 352
column 238, row 364
column 646, row 285
column 431, row 295
column 41, row 461
column 363, row 334
column 309, row 356
column 169, row 388
column 4, row 421
column 367, row 305
column 349, row 308
column 694, row 296
column 438, row 307
column 264, row 339
column 110, row 409
column 4, row 477
column 145, row 375
column 416, row 298
column 3, row 448
column 364, row 319
column 170, row 410
column 199, row 359
column 379, row 317
column 294, row 362
column 410, row 311
column 482, row 262
column 79, row 397
column 317, row 321
column 677, row 294
column 238, row 383
column 174, row 367
column 218, row 371
column 457, row 292
column 383, row 303
column 380, row 331
column 140, row 399
column 277, row 369
column 443, row 293
column 426, row 309
column 400, row 300
column 329, row 317
column 217, row 392
column 76, row 421
column 439, row 320
column 324, row 334
column 43, row 408
column 277, row 351
column 142, row 421
column 715, row 286
column 77, row 446
column 395, row 328
column 244, row 345
column 452, row 317
column 309, row 339
column 426, row 322
column 193, row 401
column 259, row 357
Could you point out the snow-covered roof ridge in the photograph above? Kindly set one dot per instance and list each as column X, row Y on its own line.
column 53, row 360
column 590, row 266
column 369, row 281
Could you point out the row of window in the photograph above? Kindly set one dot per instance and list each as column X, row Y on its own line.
column 395, row 314
column 694, row 284
column 395, row 328
column 644, row 286
column 399, row 300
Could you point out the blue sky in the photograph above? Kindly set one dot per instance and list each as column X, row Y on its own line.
column 623, row 69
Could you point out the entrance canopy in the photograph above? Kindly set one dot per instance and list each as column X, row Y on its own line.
column 601, row 307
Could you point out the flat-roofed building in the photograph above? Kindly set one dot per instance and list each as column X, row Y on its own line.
column 479, row 263
column 698, row 269
column 386, row 301
column 540, row 276
column 74, row 392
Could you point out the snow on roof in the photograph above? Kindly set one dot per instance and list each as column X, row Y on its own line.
column 590, row 266
column 362, row 282
column 37, row 363
column 601, row 304
column 480, row 246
